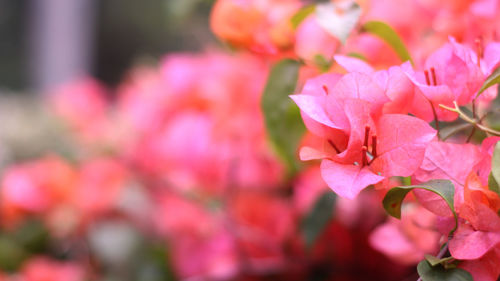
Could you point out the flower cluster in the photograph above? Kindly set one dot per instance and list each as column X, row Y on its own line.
column 186, row 170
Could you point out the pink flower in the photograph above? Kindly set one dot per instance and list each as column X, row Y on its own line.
column 100, row 184
column 406, row 241
column 262, row 26
column 450, row 75
column 201, row 246
column 262, row 237
column 307, row 189
column 36, row 188
column 361, row 145
column 311, row 40
column 44, row 269
column 477, row 238
column 83, row 105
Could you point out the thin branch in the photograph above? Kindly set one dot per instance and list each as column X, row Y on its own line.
column 467, row 119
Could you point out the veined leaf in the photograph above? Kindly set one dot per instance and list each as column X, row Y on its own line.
column 444, row 188
column 493, row 79
column 389, row 35
column 319, row 217
column 302, row 14
column 283, row 121
column 439, row 273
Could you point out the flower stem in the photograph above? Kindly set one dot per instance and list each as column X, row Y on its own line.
column 467, row 119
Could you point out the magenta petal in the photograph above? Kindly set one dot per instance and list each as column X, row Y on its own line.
column 347, row 180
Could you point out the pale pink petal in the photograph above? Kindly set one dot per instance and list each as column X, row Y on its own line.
column 352, row 64
column 347, row 180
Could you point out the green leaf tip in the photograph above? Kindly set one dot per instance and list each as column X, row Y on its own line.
column 493, row 79
column 390, row 36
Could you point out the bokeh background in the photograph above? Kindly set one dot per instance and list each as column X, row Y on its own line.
column 133, row 147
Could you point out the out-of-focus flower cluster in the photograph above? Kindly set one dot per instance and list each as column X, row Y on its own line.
column 175, row 174
column 176, row 155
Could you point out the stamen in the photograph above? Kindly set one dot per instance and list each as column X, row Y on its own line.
column 427, row 78
column 479, row 50
column 433, row 72
column 374, row 146
column 325, row 88
column 367, row 133
column 334, row 146
column 364, row 159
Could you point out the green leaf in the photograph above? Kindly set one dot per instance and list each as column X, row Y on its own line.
column 12, row 254
column 283, row 121
column 493, row 184
column 339, row 18
column 319, row 217
column 439, row 273
column 322, row 63
column 394, row 198
column 389, row 35
column 32, row 235
column 152, row 263
column 495, row 163
column 435, row 260
column 357, row 55
column 493, row 79
column 406, row 180
column 302, row 14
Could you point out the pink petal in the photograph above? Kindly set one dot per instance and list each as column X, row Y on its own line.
column 308, row 153
column 484, row 269
column 316, row 86
column 312, row 106
column 433, row 202
column 358, row 113
column 352, row 64
column 360, row 86
column 401, row 145
column 347, row 180
column 399, row 89
column 389, row 239
column 468, row 244
column 448, row 161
